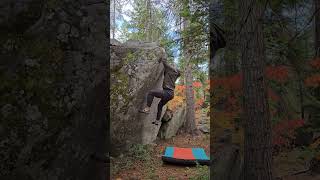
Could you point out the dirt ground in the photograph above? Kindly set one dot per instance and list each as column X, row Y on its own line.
column 149, row 165
column 293, row 161
column 155, row 169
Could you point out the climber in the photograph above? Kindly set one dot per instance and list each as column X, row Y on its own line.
column 171, row 74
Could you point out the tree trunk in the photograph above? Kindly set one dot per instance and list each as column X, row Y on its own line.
column 114, row 20
column 317, row 27
column 258, row 139
column 230, row 59
column 301, row 96
column 149, row 26
column 190, row 125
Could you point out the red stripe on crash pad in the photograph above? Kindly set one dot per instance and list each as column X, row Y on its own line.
column 183, row 153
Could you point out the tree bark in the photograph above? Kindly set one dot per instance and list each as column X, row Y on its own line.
column 190, row 125
column 258, row 139
column 301, row 96
column 317, row 36
column 114, row 20
column 149, row 26
column 230, row 59
column 317, row 27
column 299, row 69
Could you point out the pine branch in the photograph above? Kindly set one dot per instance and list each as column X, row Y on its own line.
column 305, row 26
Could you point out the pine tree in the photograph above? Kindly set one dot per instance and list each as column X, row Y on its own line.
column 258, row 144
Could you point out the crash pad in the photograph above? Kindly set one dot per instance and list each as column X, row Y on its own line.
column 185, row 156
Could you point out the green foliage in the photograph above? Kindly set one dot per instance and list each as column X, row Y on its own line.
column 185, row 13
column 203, row 173
column 148, row 23
column 51, row 4
column 306, row 153
column 152, row 173
column 193, row 37
column 136, row 152
column 142, row 23
column 140, row 152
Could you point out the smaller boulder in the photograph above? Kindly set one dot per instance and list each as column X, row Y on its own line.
column 170, row 128
column 303, row 137
column 167, row 115
column 204, row 129
column 114, row 42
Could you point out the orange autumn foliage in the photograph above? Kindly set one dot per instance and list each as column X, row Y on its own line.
column 180, row 89
column 176, row 102
column 228, row 83
column 284, row 131
column 197, row 84
column 272, row 95
column 179, row 98
column 277, row 73
column 199, row 102
column 234, row 82
column 228, row 94
column 231, row 87
column 315, row 63
column 313, row 81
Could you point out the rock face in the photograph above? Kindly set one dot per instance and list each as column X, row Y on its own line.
column 167, row 115
column 204, row 125
column 134, row 71
column 170, row 127
column 53, row 102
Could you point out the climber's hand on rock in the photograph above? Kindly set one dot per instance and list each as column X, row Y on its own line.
column 162, row 59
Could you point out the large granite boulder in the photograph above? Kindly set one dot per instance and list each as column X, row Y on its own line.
column 53, row 93
column 134, row 71
column 204, row 124
column 170, row 127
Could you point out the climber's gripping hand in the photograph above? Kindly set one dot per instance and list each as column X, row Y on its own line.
column 162, row 59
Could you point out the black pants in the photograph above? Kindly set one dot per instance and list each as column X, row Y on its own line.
column 165, row 95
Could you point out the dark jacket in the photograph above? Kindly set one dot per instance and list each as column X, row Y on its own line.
column 170, row 76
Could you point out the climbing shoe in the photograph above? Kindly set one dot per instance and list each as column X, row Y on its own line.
column 145, row 110
column 156, row 122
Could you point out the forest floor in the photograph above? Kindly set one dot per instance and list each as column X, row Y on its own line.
column 152, row 167
column 287, row 163
column 144, row 161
